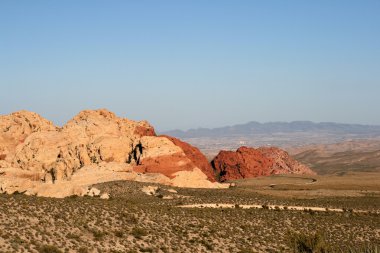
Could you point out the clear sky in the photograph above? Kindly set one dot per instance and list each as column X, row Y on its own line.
column 185, row 64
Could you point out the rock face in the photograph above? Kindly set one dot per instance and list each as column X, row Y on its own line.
column 33, row 151
column 250, row 162
column 196, row 157
column 16, row 127
column 90, row 137
column 283, row 163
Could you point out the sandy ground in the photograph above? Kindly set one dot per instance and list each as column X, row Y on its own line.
column 351, row 184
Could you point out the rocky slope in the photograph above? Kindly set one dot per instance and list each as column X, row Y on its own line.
column 37, row 157
column 250, row 162
column 196, row 156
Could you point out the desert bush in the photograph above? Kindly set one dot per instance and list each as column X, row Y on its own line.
column 48, row 249
column 73, row 236
column 245, row 251
column 98, row 235
column 306, row 243
column 207, row 245
column 365, row 249
column 119, row 233
column 146, row 249
column 139, row 232
column 82, row 250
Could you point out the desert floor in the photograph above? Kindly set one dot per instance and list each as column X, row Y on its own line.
column 131, row 221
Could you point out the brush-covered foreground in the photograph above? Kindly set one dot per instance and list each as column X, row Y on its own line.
column 131, row 221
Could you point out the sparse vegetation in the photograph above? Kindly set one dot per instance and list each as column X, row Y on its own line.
column 139, row 232
column 48, row 249
column 306, row 243
column 134, row 222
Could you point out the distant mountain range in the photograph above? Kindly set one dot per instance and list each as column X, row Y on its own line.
column 255, row 128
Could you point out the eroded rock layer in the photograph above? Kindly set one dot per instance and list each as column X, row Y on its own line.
column 195, row 156
column 250, row 162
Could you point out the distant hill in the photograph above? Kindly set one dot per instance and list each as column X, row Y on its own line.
column 340, row 162
column 254, row 128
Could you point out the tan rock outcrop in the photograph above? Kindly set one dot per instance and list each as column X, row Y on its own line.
column 90, row 137
column 16, row 127
column 38, row 158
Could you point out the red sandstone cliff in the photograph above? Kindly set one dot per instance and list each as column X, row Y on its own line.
column 250, row 162
column 196, row 156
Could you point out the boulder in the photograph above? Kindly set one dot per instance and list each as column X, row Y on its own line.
column 150, row 190
column 93, row 192
column 172, row 191
column 105, row 196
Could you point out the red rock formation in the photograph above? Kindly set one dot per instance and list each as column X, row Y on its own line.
column 196, row 156
column 166, row 165
column 250, row 162
column 145, row 131
column 244, row 163
column 283, row 163
column 183, row 158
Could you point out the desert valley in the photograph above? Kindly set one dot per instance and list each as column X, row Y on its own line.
column 102, row 183
column 189, row 126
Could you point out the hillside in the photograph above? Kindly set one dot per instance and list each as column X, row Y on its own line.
column 351, row 156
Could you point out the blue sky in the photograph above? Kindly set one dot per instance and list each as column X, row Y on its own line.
column 185, row 64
